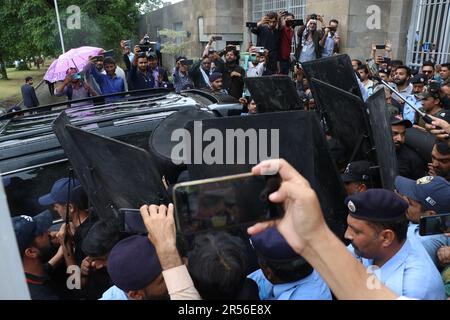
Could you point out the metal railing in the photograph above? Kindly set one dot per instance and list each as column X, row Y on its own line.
column 429, row 34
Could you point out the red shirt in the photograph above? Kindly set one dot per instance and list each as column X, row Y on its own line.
column 286, row 41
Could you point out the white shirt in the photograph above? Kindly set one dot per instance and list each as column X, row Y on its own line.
column 255, row 71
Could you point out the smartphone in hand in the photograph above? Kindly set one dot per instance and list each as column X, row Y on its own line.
column 436, row 224
column 223, row 203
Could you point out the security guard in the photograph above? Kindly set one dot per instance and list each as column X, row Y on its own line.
column 426, row 196
column 419, row 81
column 432, row 104
column 284, row 275
column 357, row 177
column 377, row 229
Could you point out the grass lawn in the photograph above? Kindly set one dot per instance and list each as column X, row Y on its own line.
column 10, row 89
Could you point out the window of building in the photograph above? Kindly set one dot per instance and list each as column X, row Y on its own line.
column 261, row 7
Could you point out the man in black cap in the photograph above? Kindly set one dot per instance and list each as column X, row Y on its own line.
column 432, row 104
column 377, row 229
column 357, row 177
column 36, row 250
column 284, row 275
column 135, row 270
column 410, row 164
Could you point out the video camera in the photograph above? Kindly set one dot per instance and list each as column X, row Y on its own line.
column 251, row 24
column 187, row 62
column 145, row 45
column 295, row 23
column 260, row 50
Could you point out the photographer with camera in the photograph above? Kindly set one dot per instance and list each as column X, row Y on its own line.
column 181, row 79
column 257, row 63
column 217, row 64
column 309, row 47
column 331, row 41
column 75, row 88
column 287, row 34
column 269, row 37
column 128, row 55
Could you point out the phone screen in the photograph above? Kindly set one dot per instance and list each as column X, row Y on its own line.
column 131, row 221
column 372, row 67
column 380, row 46
column 225, row 202
column 437, row 224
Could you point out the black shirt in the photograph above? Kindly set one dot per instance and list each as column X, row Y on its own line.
column 80, row 234
column 270, row 40
column 41, row 288
column 234, row 85
column 138, row 80
column 410, row 164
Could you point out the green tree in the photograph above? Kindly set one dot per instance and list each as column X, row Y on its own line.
column 29, row 28
column 174, row 43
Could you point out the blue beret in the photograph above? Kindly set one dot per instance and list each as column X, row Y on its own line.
column 133, row 263
column 215, row 76
column 272, row 246
column 433, row 193
column 376, row 205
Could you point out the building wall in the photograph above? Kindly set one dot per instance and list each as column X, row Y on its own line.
column 356, row 38
column 220, row 17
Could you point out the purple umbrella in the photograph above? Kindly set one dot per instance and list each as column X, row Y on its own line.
column 74, row 58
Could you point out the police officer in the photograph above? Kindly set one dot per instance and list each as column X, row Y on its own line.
column 357, row 177
column 284, row 275
column 432, row 104
column 426, row 197
column 377, row 229
column 419, row 81
column 410, row 164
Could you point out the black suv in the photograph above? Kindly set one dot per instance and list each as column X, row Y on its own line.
column 31, row 158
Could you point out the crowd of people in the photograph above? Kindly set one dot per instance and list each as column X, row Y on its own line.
column 295, row 258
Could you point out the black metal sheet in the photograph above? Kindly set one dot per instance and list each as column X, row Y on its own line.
column 114, row 174
column 335, row 70
column 422, row 142
column 346, row 118
column 274, row 93
column 295, row 143
column 302, row 143
column 379, row 116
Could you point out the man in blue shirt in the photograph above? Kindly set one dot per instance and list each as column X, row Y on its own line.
column 426, row 196
column 284, row 275
column 419, row 81
column 377, row 229
column 109, row 82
